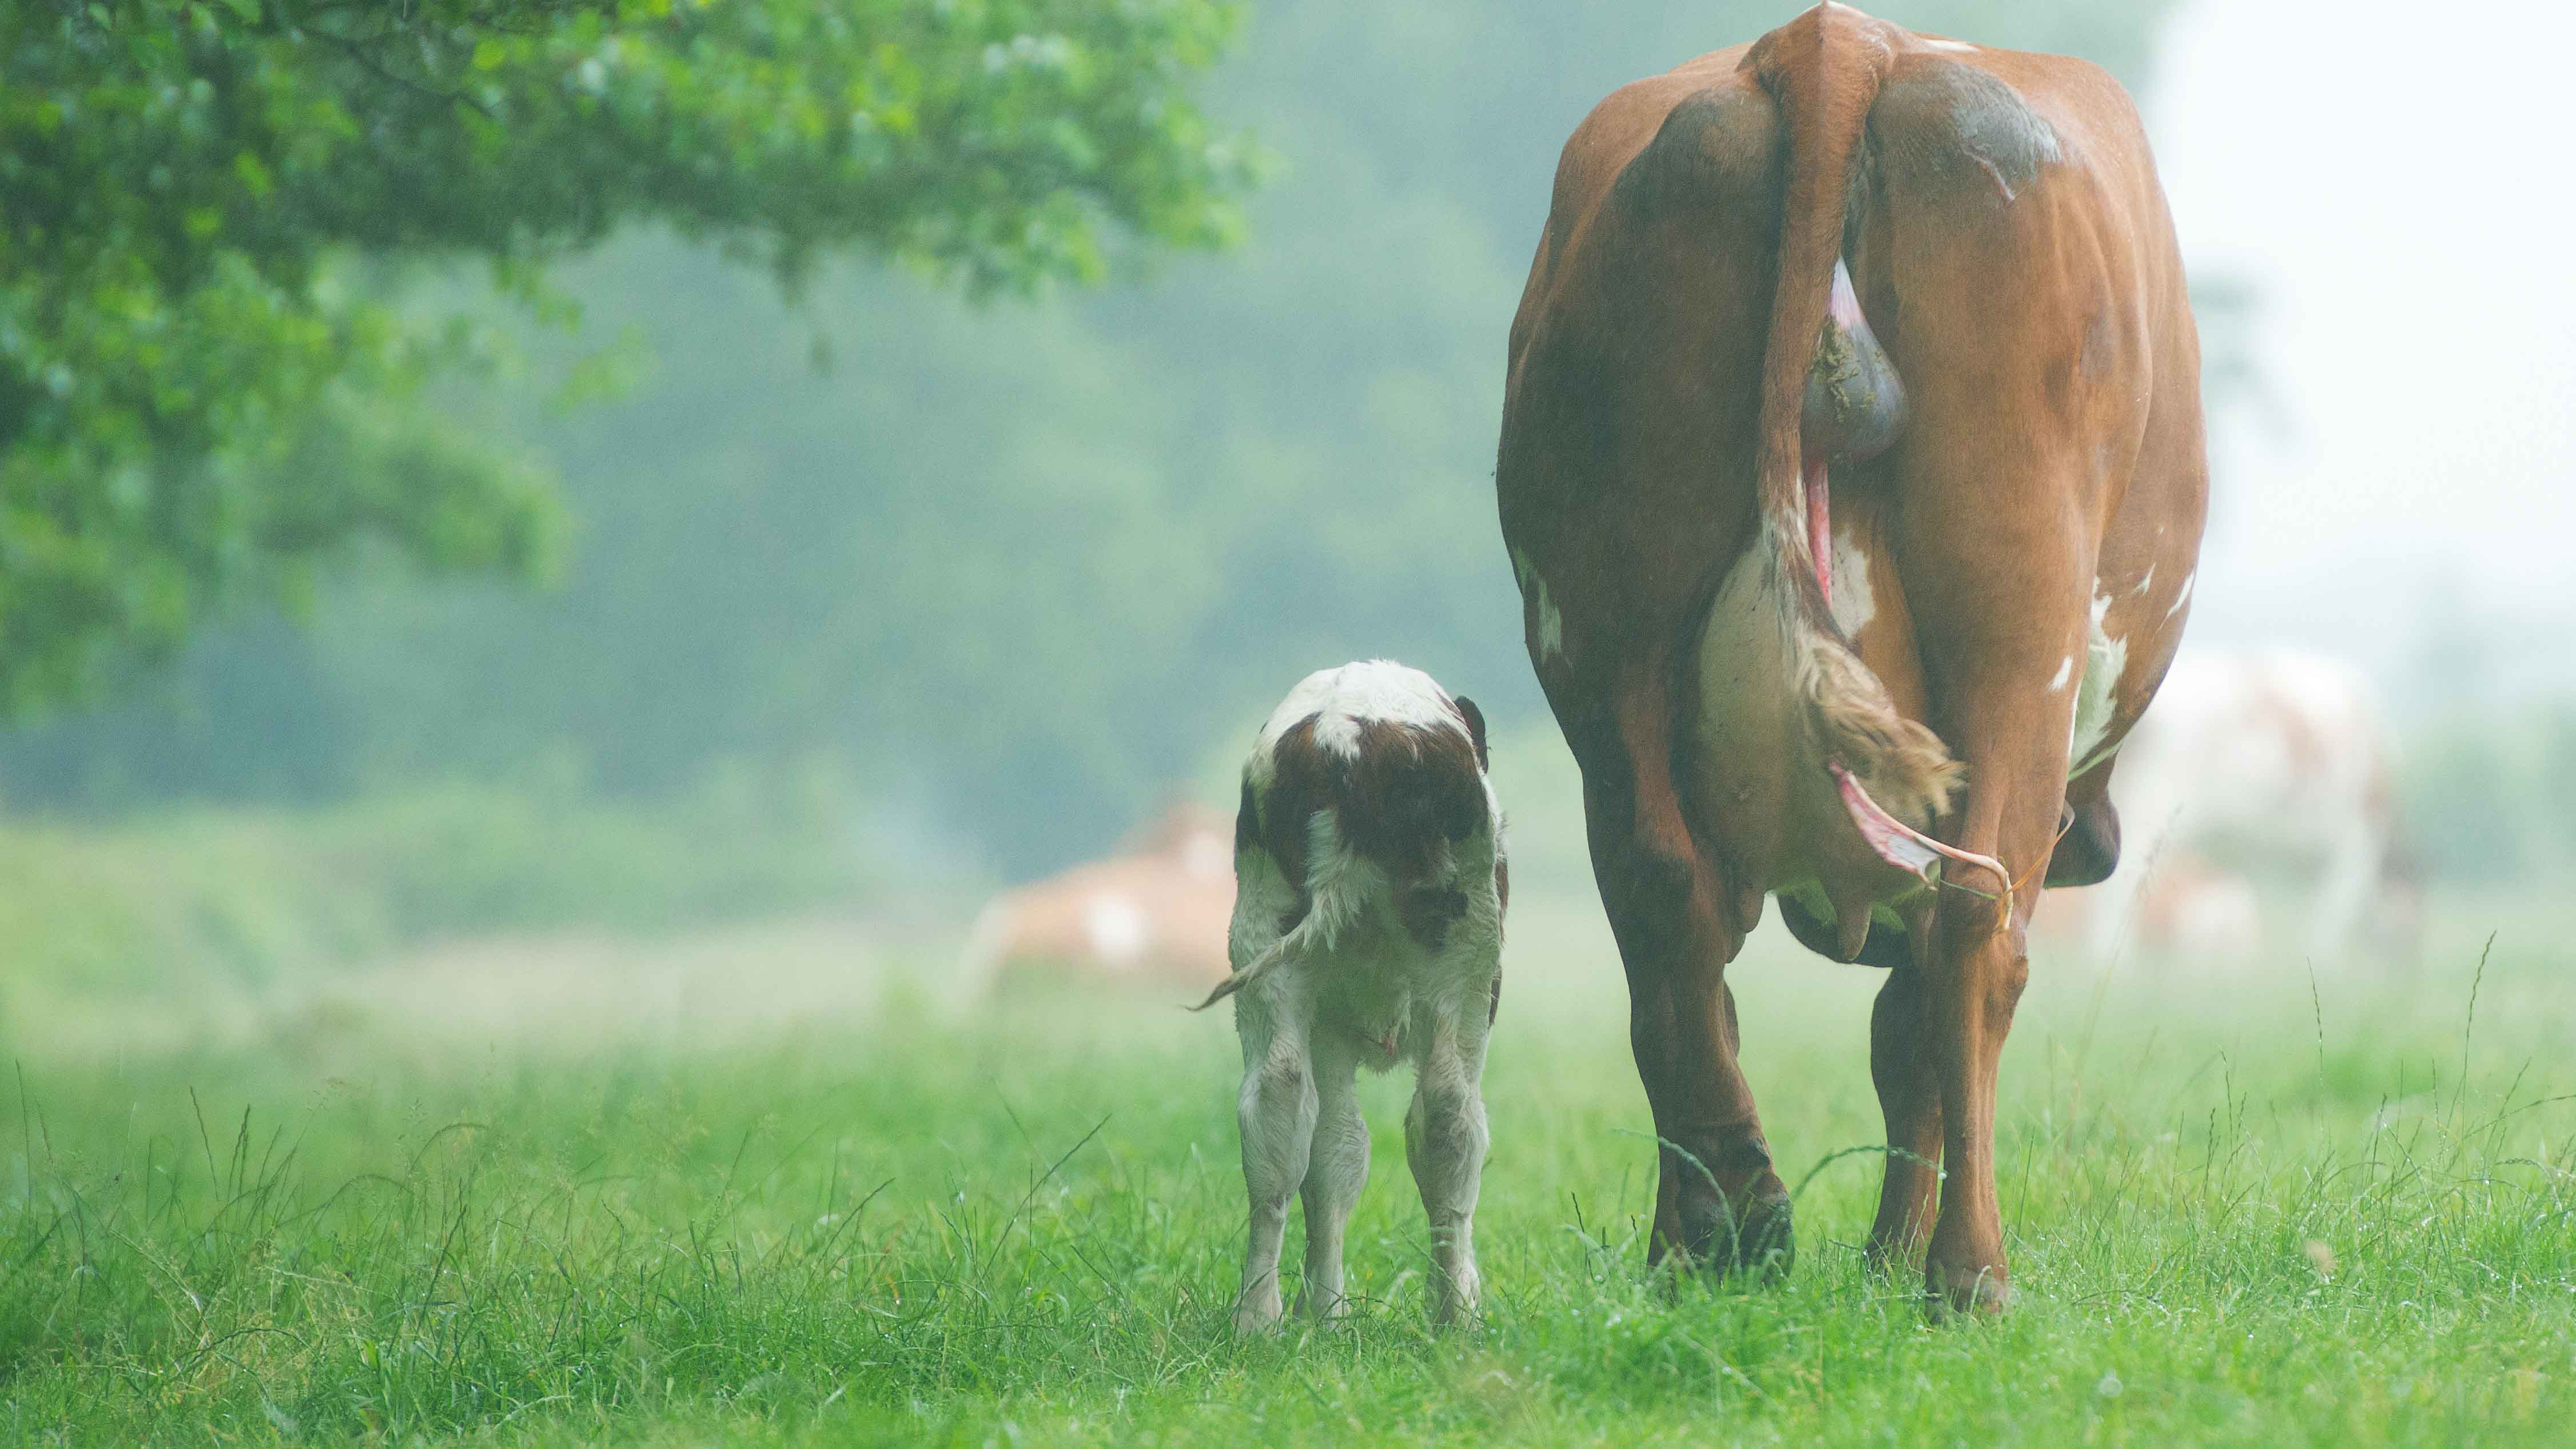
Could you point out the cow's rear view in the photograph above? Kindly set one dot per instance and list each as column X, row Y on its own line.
column 1367, row 930
column 1852, row 471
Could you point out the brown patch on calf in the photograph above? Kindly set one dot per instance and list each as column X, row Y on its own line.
column 2295, row 727
column 1409, row 793
column 1300, row 785
column 1428, row 914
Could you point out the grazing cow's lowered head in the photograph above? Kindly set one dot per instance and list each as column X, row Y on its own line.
column 1368, row 927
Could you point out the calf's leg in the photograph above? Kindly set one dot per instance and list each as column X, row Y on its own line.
column 1336, row 1169
column 1276, row 1116
column 1445, row 1138
column 2354, row 865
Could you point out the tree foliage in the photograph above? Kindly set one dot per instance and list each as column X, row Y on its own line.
column 202, row 386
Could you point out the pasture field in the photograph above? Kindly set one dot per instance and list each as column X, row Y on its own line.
column 415, row 1208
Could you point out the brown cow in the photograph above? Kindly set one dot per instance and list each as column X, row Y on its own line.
column 1157, row 911
column 1948, row 273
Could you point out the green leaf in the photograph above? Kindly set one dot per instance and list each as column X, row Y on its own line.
column 228, row 209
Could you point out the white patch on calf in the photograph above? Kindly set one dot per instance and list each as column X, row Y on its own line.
column 1339, row 884
column 1343, row 699
column 2096, row 699
column 2149, row 581
column 2065, row 672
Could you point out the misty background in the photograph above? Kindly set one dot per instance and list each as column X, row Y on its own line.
column 890, row 589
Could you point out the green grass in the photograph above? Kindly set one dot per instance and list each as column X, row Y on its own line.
column 1025, row 1230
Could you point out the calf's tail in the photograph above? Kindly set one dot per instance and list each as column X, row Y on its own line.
column 1260, row 966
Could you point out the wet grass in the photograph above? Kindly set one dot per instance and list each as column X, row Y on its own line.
column 2237, row 1213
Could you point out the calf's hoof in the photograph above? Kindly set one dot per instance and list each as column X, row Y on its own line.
column 1325, row 1307
column 1453, row 1299
column 1257, row 1313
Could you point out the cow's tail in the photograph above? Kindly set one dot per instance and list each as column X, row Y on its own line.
column 1824, row 83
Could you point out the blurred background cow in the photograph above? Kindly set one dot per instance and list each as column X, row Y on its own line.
column 1154, row 912
column 2256, row 798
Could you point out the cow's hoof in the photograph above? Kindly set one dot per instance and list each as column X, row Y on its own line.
column 1965, row 1291
column 1763, row 1241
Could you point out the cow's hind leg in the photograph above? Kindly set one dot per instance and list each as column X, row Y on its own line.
column 2014, row 732
column 1717, row 1199
column 1336, row 1169
column 1444, row 1142
column 1276, row 1115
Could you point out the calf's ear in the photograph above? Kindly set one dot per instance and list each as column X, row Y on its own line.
column 1475, row 729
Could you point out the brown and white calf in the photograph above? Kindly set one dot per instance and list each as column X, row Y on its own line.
column 1851, row 466
column 1368, row 930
